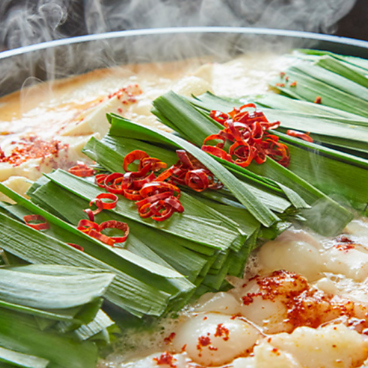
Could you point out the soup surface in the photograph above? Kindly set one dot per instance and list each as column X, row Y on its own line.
column 303, row 301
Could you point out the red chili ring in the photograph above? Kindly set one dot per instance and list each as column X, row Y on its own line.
column 86, row 226
column 164, row 216
column 155, row 163
column 197, row 180
column 243, row 160
column 100, row 179
column 154, row 186
column 185, row 159
column 132, row 195
column 112, row 224
column 43, row 225
column 145, row 210
column 213, row 137
column 133, row 156
column 175, row 204
column 154, row 198
column 218, row 152
column 112, row 187
column 105, row 205
column 81, row 170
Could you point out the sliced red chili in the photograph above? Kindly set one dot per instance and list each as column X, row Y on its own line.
column 133, row 156
column 87, row 225
column 155, row 164
column 81, row 170
column 132, row 195
column 197, row 180
column 184, row 158
column 145, row 210
column 100, row 180
column 76, row 246
column 36, row 222
column 112, row 224
column 154, row 198
column 219, row 116
column 175, row 204
column 111, row 204
column 101, row 237
column 158, row 187
column 244, row 153
column 90, row 214
column 112, row 184
column 260, row 156
column 167, row 213
column 218, row 152
column 138, row 184
column 165, row 175
column 248, row 131
column 215, row 137
column 304, row 136
column 257, row 133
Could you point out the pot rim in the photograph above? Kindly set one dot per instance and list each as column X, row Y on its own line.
column 184, row 30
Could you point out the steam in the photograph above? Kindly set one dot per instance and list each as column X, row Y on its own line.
column 27, row 22
column 30, row 21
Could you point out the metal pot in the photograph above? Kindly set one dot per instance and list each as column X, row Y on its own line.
column 66, row 57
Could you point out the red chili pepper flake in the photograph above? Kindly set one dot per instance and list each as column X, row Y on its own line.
column 222, row 331
column 165, row 358
column 248, row 131
column 344, row 239
column 36, row 222
column 127, row 94
column 287, row 78
column 282, row 74
column 32, row 147
column 183, row 348
column 318, row 100
column 345, row 247
column 304, row 136
column 170, row 338
column 81, row 170
column 280, row 84
column 247, row 299
column 293, row 84
column 203, row 341
column 213, row 348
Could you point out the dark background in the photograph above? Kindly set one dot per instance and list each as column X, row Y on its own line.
column 24, row 22
column 355, row 24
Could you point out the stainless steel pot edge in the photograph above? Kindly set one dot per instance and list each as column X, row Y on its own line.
column 185, row 30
